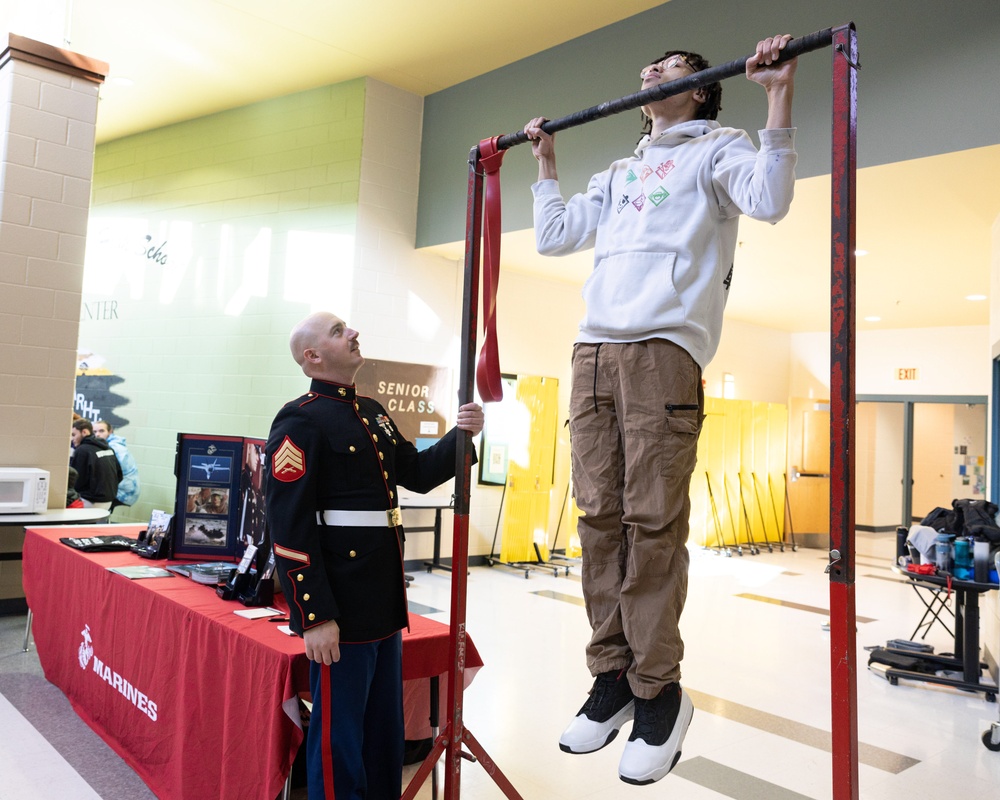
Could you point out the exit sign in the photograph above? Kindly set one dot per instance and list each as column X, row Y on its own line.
column 906, row 374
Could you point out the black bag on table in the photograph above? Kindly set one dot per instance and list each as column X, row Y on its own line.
column 96, row 544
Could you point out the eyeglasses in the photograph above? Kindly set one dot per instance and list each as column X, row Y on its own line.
column 663, row 66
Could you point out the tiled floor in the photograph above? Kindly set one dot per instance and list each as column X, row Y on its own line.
column 757, row 667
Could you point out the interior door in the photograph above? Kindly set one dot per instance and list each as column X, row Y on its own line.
column 949, row 455
column 916, row 454
column 809, row 466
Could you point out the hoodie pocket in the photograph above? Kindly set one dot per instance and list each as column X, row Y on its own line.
column 632, row 293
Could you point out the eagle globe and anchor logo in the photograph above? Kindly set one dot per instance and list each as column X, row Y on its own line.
column 86, row 651
column 138, row 698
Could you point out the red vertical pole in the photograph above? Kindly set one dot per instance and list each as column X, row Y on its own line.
column 455, row 728
column 843, row 631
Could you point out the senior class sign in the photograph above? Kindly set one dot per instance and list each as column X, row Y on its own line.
column 418, row 397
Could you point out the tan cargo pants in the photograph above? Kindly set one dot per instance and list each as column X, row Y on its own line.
column 635, row 415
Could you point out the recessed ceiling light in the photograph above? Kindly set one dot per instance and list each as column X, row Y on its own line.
column 975, row 297
column 873, row 319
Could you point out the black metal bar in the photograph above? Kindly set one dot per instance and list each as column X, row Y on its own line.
column 470, row 322
column 796, row 47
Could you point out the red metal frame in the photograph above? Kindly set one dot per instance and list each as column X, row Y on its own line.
column 843, row 631
column 455, row 734
column 843, row 650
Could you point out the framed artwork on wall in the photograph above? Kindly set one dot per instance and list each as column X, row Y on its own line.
column 499, row 434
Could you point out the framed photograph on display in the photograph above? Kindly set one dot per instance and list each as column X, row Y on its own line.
column 209, row 472
column 498, row 433
column 251, row 495
column 520, row 433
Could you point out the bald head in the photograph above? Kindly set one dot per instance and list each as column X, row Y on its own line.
column 305, row 334
column 326, row 348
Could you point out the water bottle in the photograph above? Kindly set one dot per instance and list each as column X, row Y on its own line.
column 942, row 552
column 963, row 559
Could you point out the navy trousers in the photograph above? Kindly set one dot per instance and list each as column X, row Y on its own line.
column 354, row 747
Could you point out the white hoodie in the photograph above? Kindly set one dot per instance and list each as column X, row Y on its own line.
column 663, row 225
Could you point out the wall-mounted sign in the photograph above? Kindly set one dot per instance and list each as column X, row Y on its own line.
column 907, row 374
column 417, row 397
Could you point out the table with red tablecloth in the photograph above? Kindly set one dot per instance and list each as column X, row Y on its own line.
column 199, row 701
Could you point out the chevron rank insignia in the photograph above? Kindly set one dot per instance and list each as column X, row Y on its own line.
column 289, row 462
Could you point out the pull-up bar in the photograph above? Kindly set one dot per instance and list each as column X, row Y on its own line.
column 484, row 162
column 796, row 47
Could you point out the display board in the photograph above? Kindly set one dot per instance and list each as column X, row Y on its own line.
column 219, row 507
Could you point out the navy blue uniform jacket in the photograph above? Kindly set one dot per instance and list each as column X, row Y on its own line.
column 334, row 449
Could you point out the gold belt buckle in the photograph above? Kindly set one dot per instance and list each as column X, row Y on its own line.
column 394, row 516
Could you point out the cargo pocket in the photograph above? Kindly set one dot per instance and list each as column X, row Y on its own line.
column 681, row 442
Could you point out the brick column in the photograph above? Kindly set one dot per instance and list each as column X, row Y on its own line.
column 48, row 110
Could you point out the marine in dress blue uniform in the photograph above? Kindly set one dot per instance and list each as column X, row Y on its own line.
column 336, row 461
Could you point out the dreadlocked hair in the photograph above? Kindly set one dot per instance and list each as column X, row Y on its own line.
column 712, row 105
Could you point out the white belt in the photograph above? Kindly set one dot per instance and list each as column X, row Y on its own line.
column 389, row 518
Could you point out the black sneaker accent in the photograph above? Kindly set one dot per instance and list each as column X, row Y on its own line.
column 654, row 748
column 596, row 724
column 609, row 695
column 655, row 719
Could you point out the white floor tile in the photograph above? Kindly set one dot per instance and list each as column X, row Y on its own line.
column 30, row 766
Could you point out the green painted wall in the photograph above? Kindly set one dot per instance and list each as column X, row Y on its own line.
column 208, row 241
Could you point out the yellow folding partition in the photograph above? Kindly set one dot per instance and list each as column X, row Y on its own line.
column 732, row 458
column 777, row 459
column 709, row 521
column 738, row 481
column 763, row 530
column 529, row 480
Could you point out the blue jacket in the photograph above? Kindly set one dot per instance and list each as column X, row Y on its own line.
column 128, row 488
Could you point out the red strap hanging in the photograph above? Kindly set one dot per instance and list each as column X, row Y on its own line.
column 488, row 369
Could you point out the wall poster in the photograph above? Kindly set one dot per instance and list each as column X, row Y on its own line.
column 418, row 397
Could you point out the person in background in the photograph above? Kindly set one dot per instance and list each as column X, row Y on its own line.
column 73, row 499
column 663, row 224
column 335, row 461
column 128, row 489
column 99, row 472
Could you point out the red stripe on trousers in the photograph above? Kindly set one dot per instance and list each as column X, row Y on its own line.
column 326, row 715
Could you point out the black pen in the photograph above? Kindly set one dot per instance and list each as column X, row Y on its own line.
column 278, row 619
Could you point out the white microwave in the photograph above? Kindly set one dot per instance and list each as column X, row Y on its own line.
column 23, row 490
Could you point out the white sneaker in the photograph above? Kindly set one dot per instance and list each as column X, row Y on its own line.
column 654, row 747
column 609, row 706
